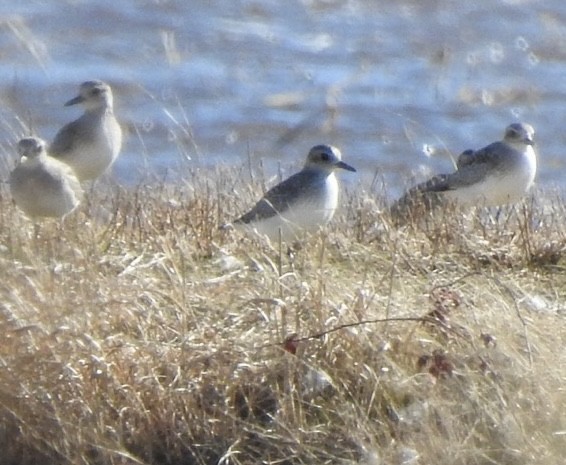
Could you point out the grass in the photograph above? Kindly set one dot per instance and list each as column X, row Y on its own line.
column 137, row 332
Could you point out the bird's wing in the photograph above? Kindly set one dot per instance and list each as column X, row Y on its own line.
column 68, row 137
column 419, row 199
column 65, row 140
column 279, row 197
column 465, row 158
column 473, row 168
column 492, row 156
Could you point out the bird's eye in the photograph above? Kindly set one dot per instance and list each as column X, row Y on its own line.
column 324, row 156
column 96, row 91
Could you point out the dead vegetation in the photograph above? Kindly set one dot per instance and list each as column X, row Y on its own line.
column 137, row 332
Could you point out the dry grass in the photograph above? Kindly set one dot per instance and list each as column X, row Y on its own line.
column 138, row 332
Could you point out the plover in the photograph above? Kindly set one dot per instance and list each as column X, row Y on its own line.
column 41, row 185
column 91, row 143
column 498, row 174
column 302, row 202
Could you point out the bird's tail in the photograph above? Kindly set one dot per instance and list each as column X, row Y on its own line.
column 420, row 200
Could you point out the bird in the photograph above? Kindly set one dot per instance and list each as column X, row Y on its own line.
column 500, row 173
column 91, row 143
column 303, row 202
column 41, row 185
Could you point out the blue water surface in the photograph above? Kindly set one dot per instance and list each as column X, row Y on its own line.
column 399, row 86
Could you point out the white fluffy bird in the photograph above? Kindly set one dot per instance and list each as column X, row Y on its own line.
column 43, row 186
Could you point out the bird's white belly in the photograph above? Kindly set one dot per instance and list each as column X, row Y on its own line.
column 90, row 161
column 307, row 214
column 53, row 204
column 92, row 158
column 38, row 199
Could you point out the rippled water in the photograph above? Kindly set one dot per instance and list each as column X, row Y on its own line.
column 397, row 85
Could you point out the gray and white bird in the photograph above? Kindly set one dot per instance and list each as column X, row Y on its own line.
column 303, row 202
column 41, row 185
column 90, row 144
column 498, row 174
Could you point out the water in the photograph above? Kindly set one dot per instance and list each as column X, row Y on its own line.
column 399, row 86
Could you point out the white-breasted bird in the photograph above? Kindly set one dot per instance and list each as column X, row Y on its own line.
column 41, row 185
column 498, row 174
column 303, row 202
column 91, row 143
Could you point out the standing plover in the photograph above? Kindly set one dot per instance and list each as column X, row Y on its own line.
column 91, row 143
column 303, row 202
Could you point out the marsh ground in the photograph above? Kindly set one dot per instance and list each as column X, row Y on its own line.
column 138, row 332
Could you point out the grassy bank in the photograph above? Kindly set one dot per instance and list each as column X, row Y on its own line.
column 136, row 331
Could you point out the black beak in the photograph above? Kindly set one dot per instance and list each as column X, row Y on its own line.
column 345, row 166
column 74, row 101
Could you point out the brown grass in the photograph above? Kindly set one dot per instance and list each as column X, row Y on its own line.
column 137, row 332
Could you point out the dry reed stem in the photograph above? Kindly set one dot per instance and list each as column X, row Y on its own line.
column 137, row 331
